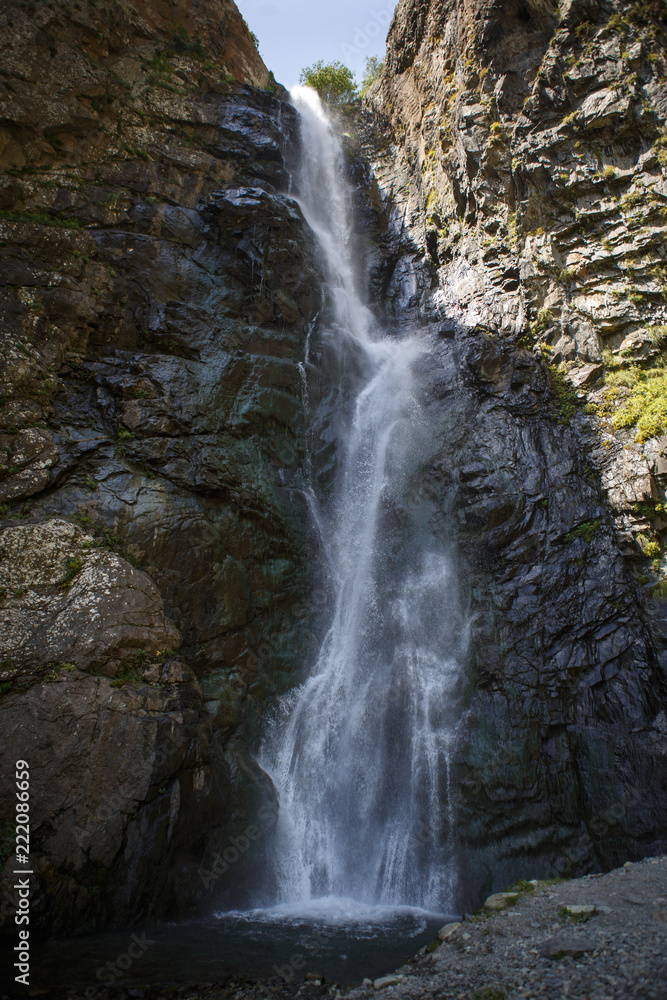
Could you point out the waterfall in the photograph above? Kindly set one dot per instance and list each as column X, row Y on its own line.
column 360, row 753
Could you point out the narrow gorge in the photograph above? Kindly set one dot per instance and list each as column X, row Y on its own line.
column 333, row 462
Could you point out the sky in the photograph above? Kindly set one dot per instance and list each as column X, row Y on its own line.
column 296, row 33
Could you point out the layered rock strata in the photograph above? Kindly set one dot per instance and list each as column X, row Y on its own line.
column 157, row 288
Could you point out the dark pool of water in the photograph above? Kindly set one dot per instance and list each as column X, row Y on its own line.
column 340, row 940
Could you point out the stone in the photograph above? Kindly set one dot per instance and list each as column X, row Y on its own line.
column 385, row 981
column 580, row 912
column 449, row 931
column 587, row 376
column 41, row 619
column 562, row 946
column 501, row 900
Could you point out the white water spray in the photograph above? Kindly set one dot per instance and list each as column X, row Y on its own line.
column 360, row 752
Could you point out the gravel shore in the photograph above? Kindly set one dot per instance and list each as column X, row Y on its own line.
column 602, row 937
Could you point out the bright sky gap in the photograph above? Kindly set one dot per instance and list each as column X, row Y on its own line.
column 296, row 33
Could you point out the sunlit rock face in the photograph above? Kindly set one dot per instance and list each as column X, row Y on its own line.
column 517, row 182
column 157, row 289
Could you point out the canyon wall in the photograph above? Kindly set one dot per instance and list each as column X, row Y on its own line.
column 518, row 186
column 156, row 292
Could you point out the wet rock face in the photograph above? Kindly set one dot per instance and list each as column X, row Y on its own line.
column 156, row 288
column 511, row 147
column 561, row 759
column 126, row 779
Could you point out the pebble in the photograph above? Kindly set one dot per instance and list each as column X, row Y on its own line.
column 385, row 981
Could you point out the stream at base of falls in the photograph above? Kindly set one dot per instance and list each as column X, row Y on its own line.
column 336, row 939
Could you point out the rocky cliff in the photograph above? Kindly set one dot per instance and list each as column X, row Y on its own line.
column 518, row 178
column 156, row 292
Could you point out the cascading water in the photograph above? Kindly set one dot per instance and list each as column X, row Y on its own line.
column 360, row 752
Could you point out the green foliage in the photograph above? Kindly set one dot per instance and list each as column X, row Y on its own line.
column 373, row 70
column 649, row 511
column 564, row 397
column 540, row 324
column 497, row 133
column 334, row 82
column 127, row 677
column 523, row 885
column 136, row 151
column 587, row 531
column 74, row 567
column 646, row 406
column 42, row 219
column 181, row 42
column 650, row 549
column 566, row 917
column 657, row 335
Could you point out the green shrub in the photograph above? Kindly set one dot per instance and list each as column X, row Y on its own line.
column 564, row 397
column 74, row 567
column 649, row 548
column 646, row 406
column 587, row 530
column 334, row 82
column 182, row 43
column 42, row 219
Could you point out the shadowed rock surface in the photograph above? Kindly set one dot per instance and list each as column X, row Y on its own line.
column 517, row 183
column 157, row 288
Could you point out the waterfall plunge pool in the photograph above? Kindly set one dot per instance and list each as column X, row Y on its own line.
column 340, row 940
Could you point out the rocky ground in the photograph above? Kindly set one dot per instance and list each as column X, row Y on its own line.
column 601, row 937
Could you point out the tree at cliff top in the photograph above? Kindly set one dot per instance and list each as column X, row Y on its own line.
column 373, row 70
column 334, row 82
